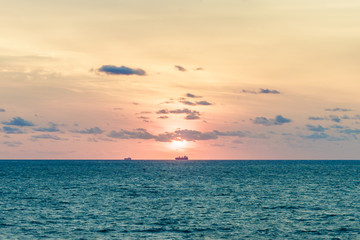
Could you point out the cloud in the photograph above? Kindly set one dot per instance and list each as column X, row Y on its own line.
column 94, row 130
column 18, row 121
column 2, row 110
column 163, row 117
column 139, row 133
column 193, row 135
column 279, row 120
column 143, row 118
column 337, row 126
column 12, row 144
column 47, row 136
column 249, row 91
column 316, row 118
column 317, row 136
column 269, row 91
column 162, row 111
column 184, row 134
column 179, row 111
column 168, row 102
column 189, row 135
column 335, row 118
column 337, row 109
column 188, row 103
column 199, row 69
column 261, row 91
column 165, row 137
column 180, row 68
column 52, row 128
column 191, row 115
column 325, row 136
column 190, row 95
column 232, row 133
column 12, row 130
column 313, row 128
column 240, row 134
column 351, row 131
column 203, row 103
column 114, row 70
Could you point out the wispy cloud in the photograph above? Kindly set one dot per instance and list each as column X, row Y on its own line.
column 94, row 130
column 317, row 128
column 52, row 128
column 139, row 133
column 2, row 110
column 190, row 95
column 335, row 118
column 12, row 130
column 351, row 131
column 338, row 109
column 191, row 115
column 162, row 111
column 12, row 144
column 47, row 136
column 337, row 126
column 122, row 70
column 316, row 118
column 202, row 103
column 193, row 135
column 183, row 134
column 278, row 120
column 317, row 136
column 232, row 133
column 269, row 91
column 188, row 103
column 261, row 91
column 18, row 121
column 180, row 68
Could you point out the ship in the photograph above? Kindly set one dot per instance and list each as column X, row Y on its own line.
column 127, row 158
column 182, row 158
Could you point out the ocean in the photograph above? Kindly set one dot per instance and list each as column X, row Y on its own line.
column 179, row 199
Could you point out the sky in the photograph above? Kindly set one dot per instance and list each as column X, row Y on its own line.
column 231, row 79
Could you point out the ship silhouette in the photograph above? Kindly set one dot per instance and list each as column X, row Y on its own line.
column 182, row 158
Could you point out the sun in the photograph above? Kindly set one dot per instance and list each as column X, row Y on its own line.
column 178, row 143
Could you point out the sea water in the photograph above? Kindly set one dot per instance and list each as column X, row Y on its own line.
column 180, row 200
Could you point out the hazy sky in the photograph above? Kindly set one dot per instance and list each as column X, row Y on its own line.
column 231, row 79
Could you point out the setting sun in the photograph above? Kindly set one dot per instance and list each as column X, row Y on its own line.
column 178, row 143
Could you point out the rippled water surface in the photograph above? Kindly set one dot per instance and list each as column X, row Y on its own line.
column 179, row 200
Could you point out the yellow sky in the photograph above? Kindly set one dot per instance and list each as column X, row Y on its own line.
column 251, row 60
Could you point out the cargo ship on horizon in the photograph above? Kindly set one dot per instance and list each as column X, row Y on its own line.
column 182, row 158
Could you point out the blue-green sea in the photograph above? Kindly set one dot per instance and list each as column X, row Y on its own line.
column 179, row 199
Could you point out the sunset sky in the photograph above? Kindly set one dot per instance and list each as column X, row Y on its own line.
column 152, row 79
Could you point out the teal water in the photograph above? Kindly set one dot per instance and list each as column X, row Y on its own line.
column 179, row 200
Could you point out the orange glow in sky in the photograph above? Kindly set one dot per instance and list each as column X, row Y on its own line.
column 178, row 144
column 265, row 79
